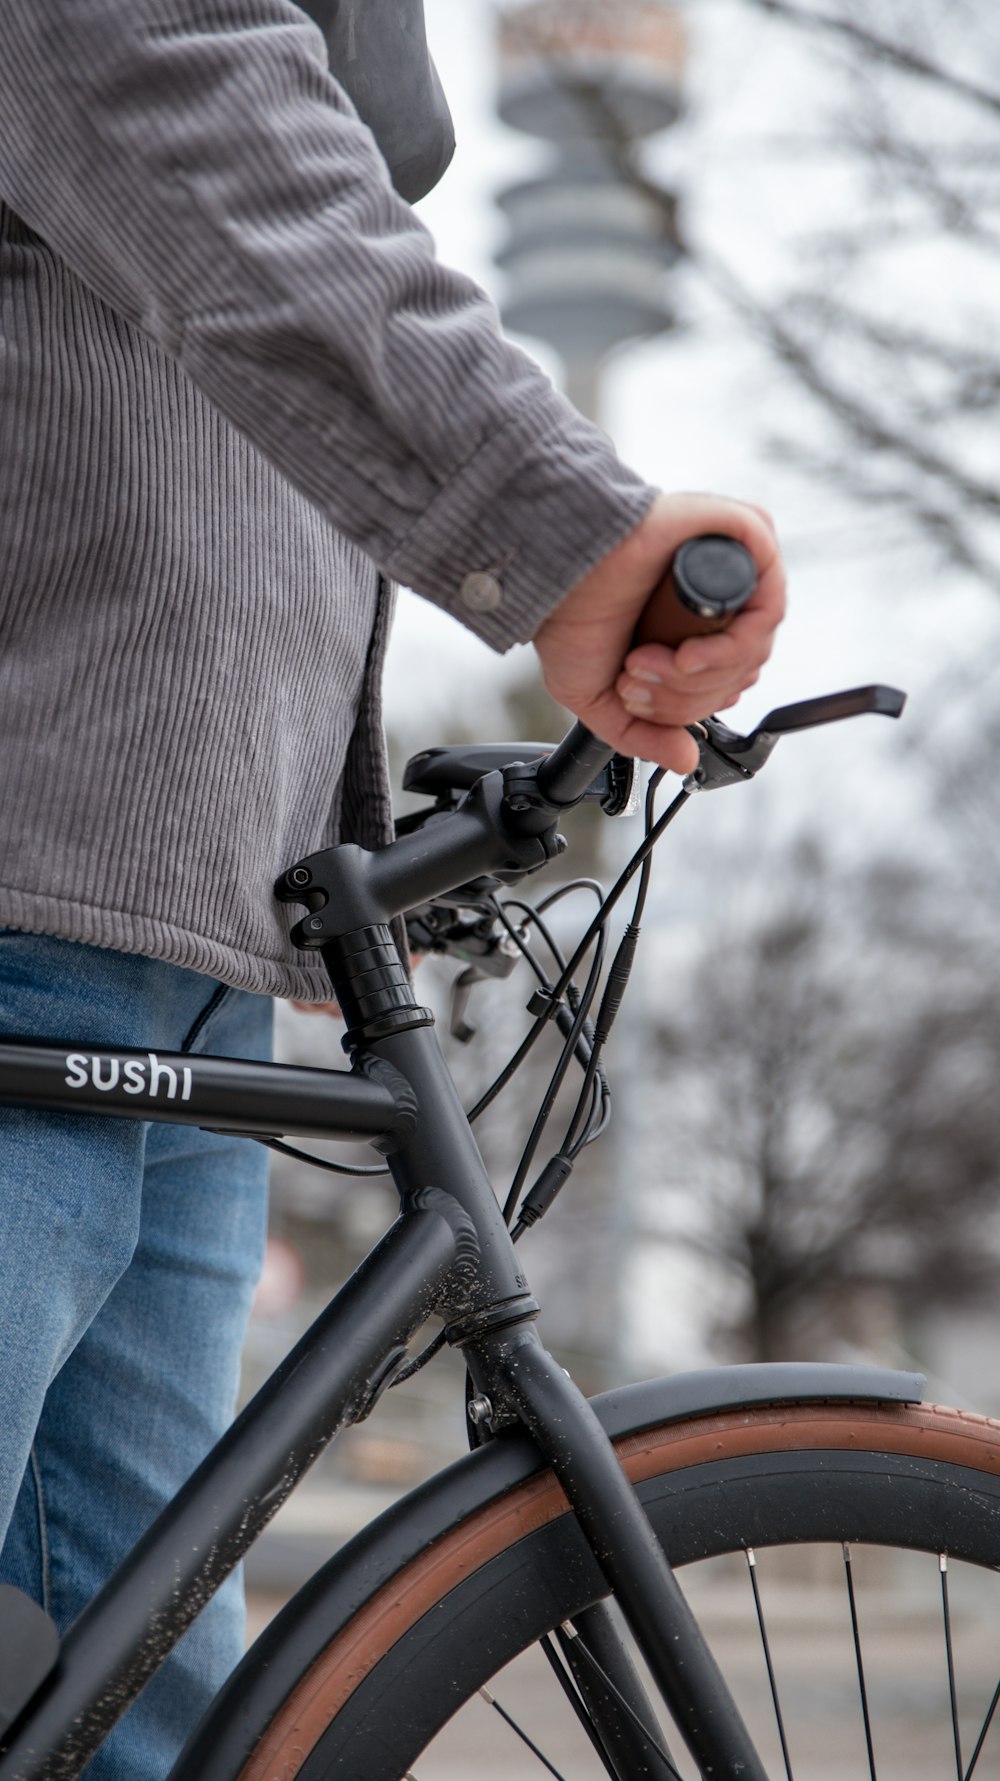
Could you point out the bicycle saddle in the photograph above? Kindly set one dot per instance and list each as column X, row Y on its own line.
column 444, row 772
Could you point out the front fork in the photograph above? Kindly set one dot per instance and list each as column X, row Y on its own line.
column 513, row 1371
column 489, row 1316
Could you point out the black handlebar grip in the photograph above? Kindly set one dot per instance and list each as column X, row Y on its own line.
column 709, row 581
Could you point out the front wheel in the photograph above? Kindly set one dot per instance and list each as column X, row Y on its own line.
column 840, row 1557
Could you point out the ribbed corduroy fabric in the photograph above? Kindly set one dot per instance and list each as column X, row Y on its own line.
column 236, row 392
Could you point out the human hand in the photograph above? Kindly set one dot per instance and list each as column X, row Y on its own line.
column 641, row 699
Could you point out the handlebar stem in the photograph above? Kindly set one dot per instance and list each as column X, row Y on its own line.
column 346, row 888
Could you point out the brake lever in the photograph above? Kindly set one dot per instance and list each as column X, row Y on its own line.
column 727, row 758
column 498, row 961
column 462, row 988
column 485, row 949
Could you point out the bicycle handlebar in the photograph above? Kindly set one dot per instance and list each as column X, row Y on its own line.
column 569, row 771
column 709, row 581
column 505, row 825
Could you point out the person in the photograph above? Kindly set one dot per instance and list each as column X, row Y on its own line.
column 239, row 397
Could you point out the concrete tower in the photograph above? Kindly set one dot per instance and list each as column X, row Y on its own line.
column 587, row 250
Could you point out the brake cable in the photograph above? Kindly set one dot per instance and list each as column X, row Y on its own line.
column 581, row 1130
column 618, row 977
column 324, row 1162
column 566, row 1057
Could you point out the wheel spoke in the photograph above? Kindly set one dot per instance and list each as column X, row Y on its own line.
column 949, row 1648
column 509, row 1719
column 568, row 1685
column 751, row 1559
column 519, row 1731
column 855, row 1629
column 580, row 1646
column 987, row 1722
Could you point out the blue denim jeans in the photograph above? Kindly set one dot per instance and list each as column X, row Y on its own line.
column 129, row 1257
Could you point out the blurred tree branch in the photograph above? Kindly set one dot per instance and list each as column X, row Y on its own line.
column 902, row 384
column 828, row 1081
column 897, row 55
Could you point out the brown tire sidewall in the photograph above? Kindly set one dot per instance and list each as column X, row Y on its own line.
column 928, row 1432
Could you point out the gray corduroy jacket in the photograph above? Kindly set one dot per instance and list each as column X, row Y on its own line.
column 237, row 396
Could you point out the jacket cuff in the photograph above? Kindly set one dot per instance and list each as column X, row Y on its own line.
column 543, row 500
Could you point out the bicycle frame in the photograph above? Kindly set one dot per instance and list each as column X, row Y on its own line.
column 438, row 1254
column 449, row 1251
column 332, row 1378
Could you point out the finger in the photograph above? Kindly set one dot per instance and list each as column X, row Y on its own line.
column 765, row 515
column 672, row 710
column 746, row 646
column 733, row 698
column 731, row 650
column 664, row 697
column 668, row 744
column 664, row 744
column 663, row 674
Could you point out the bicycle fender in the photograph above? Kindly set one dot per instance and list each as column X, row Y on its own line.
column 229, row 1731
column 632, row 1407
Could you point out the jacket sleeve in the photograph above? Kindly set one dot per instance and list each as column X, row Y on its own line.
column 195, row 163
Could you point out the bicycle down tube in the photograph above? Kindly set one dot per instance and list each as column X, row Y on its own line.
column 328, row 1381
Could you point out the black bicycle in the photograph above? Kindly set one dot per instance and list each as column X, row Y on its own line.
column 569, row 1518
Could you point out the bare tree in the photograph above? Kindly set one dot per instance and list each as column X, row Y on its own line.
column 890, row 321
column 828, row 1110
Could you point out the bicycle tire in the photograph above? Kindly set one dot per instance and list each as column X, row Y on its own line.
column 375, row 1685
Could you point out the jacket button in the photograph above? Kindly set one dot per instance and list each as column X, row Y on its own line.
column 480, row 591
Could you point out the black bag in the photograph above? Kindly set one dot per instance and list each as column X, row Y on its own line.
column 378, row 52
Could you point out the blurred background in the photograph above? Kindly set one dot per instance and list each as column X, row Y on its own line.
column 759, row 242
